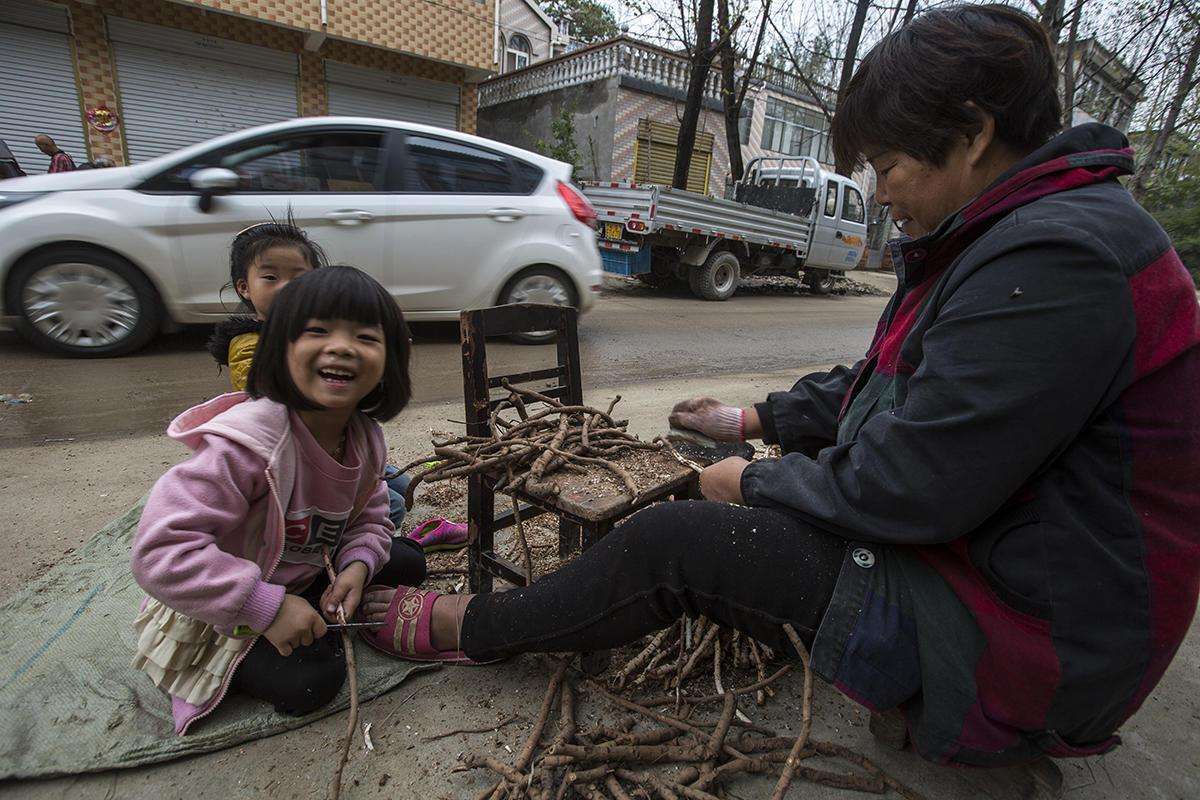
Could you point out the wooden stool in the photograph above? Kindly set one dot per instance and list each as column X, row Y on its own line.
column 583, row 517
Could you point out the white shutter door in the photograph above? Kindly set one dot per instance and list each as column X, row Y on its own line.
column 37, row 84
column 362, row 92
column 179, row 88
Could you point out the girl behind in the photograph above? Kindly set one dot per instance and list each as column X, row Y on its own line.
column 262, row 260
column 229, row 547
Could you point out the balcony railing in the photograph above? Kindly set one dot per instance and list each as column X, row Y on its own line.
column 620, row 57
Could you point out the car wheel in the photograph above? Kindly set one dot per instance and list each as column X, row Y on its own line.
column 818, row 281
column 543, row 285
column 717, row 278
column 85, row 303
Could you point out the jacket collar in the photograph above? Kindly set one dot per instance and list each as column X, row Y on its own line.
column 1080, row 156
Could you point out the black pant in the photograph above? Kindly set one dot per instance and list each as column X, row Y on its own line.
column 752, row 569
column 311, row 676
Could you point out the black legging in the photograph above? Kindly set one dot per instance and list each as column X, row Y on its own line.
column 312, row 675
column 752, row 569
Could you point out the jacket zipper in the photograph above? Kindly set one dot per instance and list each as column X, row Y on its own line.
column 225, row 684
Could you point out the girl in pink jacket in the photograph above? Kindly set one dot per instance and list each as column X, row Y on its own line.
column 230, row 544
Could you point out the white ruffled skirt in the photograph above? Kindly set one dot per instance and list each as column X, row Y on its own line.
column 184, row 657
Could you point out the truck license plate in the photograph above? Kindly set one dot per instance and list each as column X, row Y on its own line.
column 613, row 230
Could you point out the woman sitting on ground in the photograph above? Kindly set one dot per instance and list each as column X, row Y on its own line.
column 989, row 522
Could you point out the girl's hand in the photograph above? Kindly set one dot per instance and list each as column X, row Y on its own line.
column 346, row 590
column 297, row 623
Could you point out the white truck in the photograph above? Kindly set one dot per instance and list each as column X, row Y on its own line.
column 782, row 219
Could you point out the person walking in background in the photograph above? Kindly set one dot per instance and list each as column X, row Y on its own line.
column 60, row 161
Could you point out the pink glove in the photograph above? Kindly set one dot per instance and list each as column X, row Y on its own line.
column 711, row 417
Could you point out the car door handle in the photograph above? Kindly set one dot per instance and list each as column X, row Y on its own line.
column 506, row 214
column 350, row 216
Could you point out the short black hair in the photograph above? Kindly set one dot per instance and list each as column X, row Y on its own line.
column 911, row 91
column 249, row 245
column 334, row 293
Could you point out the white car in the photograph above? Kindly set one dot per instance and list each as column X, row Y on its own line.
column 96, row 262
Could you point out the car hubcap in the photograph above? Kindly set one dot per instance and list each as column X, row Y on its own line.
column 540, row 289
column 81, row 305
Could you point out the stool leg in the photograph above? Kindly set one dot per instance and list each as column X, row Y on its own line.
column 481, row 512
column 568, row 537
column 594, row 531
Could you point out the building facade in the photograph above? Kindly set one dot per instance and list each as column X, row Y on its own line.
column 134, row 79
column 625, row 99
column 1106, row 90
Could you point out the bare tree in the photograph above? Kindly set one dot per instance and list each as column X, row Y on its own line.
column 704, row 50
column 1069, row 66
column 1187, row 82
column 733, row 95
column 910, row 11
column 848, row 58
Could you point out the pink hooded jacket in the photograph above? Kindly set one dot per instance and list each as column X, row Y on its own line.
column 212, row 531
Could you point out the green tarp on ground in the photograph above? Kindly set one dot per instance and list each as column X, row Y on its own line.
column 69, row 701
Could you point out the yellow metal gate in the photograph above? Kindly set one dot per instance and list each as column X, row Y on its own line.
column 654, row 156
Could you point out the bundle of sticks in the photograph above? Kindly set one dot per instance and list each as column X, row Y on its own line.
column 651, row 753
column 527, row 446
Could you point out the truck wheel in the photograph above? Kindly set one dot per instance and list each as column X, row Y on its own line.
column 83, row 302
column 717, row 278
column 818, row 281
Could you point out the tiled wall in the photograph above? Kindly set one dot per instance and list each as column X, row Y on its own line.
column 97, row 78
column 632, row 106
column 457, row 31
column 517, row 17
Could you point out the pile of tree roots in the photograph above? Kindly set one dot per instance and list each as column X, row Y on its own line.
column 661, row 747
column 526, row 447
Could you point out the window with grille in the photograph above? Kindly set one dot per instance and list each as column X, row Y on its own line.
column 654, row 156
column 796, row 131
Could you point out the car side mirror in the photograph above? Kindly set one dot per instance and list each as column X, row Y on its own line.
column 212, row 181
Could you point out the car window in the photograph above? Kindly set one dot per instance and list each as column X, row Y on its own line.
column 852, row 205
column 527, row 176
column 440, row 166
column 831, row 199
column 326, row 161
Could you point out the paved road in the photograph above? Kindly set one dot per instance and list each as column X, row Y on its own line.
column 633, row 334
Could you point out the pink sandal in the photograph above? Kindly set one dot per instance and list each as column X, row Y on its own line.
column 405, row 631
column 437, row 534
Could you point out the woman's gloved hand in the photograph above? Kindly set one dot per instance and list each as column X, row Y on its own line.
column 711, row 417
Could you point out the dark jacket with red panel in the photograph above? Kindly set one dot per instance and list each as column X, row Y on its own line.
column 1016, row 464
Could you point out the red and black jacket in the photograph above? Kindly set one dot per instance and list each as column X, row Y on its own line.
column 1016, row 464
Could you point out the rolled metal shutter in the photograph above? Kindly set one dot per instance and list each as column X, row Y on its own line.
column 179, row 87
column 361, row 92
column 37, row 83
column 654, row 156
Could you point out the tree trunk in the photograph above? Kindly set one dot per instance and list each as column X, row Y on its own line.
column 1182, row 90
column 701, row 63
column 730, row 105
column 910, row 11
column 856, row 28
column 1069, row 67
column 1052, row 19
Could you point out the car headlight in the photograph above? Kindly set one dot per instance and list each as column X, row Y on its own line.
column 13, row 198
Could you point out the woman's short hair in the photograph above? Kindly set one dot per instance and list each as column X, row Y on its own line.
column 911, row 92
column 332, row 293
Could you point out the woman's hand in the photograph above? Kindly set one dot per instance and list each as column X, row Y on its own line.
column 709, row 416
column 722, row 481
column 345, row 591
column 296, row 624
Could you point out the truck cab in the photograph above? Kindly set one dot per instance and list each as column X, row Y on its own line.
column 839, row 233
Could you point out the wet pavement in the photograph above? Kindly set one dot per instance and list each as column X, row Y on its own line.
column 633, row 334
